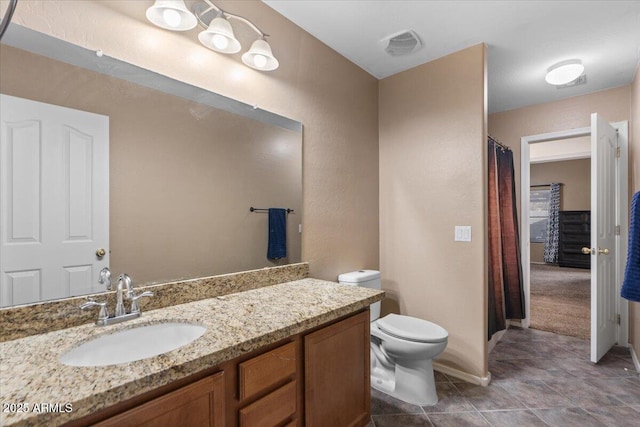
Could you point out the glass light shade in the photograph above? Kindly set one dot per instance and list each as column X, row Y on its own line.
column 260, row 57
column 219, row 36
column 564, row 72
column 171, row 15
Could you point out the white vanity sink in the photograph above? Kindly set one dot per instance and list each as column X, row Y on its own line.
column 133, row 344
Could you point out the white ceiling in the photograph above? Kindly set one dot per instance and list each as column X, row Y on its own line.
column 523, row 37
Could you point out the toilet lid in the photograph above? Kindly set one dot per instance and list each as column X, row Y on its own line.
column 412, row 329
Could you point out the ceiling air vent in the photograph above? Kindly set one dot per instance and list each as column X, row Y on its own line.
column 402, row 44
column 577, row 82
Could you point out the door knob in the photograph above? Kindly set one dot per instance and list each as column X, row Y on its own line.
column 603, row 251
column 587, row 251
column 100, row 253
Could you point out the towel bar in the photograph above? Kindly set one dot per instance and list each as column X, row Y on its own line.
column 252, row 209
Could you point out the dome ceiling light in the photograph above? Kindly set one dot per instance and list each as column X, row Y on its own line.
column 564, row 72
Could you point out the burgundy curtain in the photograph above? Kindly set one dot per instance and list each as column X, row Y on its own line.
column 506, row 297
column 496, row 295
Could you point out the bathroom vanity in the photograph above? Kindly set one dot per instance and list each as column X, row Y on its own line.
column 294, row 353
column 268, row 388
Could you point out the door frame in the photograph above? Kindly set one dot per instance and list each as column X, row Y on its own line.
column 622, row 215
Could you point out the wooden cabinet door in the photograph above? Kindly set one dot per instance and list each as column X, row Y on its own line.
column 337, row 378
column 195, row 405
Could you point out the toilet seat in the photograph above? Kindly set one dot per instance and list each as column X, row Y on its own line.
column 412, row 329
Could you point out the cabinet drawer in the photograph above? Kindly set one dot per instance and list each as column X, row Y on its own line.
column 272, row 409
column 266, row 370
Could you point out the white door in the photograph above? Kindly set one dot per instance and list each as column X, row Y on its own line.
column 54, row 200
column 604, row 143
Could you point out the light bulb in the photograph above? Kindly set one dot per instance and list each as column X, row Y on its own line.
column 220, row 41
column 259, row 60
column 171, row 17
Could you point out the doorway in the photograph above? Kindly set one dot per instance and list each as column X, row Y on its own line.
column 560, row 199
column 618, row 307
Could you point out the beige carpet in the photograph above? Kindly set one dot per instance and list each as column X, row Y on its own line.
column 560, row 300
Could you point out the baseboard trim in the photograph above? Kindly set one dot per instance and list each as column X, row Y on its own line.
column 495, row 339
column 634, row 357
column 456, row 373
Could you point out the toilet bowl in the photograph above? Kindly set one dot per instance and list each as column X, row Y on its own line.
column 402, row 348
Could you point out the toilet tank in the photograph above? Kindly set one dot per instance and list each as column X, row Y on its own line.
column 365, row 279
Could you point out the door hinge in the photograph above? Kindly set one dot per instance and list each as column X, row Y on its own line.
column 617, row 230
column 618, row 319
column 618, row 152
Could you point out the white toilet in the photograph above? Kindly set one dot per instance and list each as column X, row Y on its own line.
column 402, row 348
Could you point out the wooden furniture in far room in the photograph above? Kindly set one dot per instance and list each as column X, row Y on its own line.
column 575, row 233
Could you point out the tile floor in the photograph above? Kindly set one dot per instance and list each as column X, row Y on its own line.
column 538, row 379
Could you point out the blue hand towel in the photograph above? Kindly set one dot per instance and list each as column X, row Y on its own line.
column 277, row 233
column 631, row 284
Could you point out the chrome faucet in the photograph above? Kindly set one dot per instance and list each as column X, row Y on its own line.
column 134, row 301
column 104, row 313
column 124, row 290
column 123, row 280
column 105, row 278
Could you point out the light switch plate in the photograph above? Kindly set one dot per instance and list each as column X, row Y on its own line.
column 462, row 233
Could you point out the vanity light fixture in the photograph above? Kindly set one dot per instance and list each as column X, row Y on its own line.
column 171, row 15
column 219, row 36
column 564, row 72
column 218, row 33
column 260, row 57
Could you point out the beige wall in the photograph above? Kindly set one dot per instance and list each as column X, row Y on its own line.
column 613, row 104
column 509, row 126
column 336, row 101
column 433, row 177
column 575, row 193
column 182, row 175
column 634, row 171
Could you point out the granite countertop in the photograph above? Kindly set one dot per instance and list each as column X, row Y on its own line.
column 30, row 372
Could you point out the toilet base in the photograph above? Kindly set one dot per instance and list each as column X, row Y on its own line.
column 411, row 381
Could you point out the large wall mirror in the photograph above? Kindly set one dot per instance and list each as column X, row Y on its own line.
column 181, row 169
